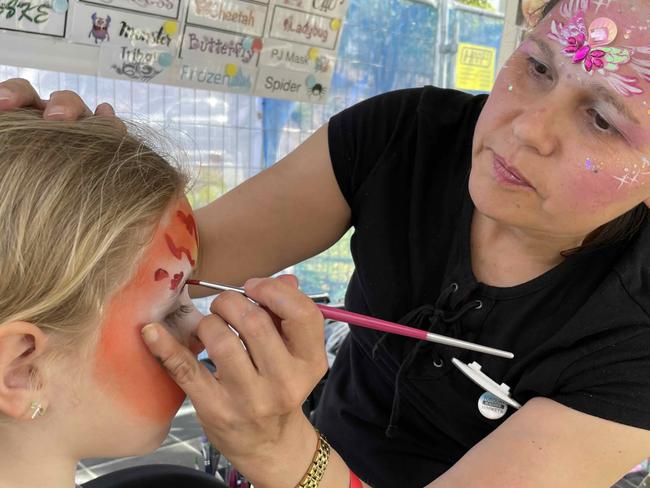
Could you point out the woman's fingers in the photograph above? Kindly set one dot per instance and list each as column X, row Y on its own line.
column 289, row 279
column 192, row 377
column 62, row 105
column 19, row 93
column 234, row 366
column 250, row 412
column 105, row 110
column 66, row 105
column 302, row 324
column 257, row 331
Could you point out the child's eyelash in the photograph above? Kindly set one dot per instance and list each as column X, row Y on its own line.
column 178, row 314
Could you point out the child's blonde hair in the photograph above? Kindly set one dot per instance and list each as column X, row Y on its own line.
column 79, row 202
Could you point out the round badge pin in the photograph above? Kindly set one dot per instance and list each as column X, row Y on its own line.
column 491, row 406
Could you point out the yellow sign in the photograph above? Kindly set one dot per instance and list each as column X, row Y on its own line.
column 475, row 67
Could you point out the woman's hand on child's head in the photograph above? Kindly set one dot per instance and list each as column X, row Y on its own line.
column 62, row 105
column 251, row 409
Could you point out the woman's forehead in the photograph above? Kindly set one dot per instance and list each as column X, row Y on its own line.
column 607, row 40
column 629, row 15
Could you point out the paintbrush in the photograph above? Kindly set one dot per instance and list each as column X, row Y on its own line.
column 377, row 324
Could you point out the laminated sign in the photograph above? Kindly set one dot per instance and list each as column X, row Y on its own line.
column 283, row 49
column 475, row 67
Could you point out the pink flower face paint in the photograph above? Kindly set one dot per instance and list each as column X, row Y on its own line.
column 123, row 364
column 594, row 47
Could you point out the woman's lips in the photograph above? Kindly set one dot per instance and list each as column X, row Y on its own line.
column 506, row 174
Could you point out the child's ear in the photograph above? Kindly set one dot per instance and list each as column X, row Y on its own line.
column 21, row 344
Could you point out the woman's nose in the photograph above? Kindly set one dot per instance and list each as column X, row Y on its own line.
column 536, row 127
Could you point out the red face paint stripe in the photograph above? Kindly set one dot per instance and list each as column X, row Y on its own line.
column 179, row 251
column 190, row 224
column 178, row 277
column 160, row 274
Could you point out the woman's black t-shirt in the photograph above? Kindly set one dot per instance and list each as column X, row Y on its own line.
column 580, row 332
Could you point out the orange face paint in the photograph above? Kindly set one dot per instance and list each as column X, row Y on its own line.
column 124, row 366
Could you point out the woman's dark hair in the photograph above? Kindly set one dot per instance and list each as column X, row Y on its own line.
column 622, row 227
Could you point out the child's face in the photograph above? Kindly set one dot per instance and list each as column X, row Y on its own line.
column 136, row 394
column 578, row 133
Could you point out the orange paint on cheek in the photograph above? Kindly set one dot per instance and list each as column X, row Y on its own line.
column 124, row 365
column 127, row 369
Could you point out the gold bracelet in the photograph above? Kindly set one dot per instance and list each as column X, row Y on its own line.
column 318, row 464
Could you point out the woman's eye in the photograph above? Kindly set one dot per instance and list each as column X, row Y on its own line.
column 539, row 68
column 601, row 122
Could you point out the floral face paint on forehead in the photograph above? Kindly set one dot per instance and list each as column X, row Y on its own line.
column 592, row 48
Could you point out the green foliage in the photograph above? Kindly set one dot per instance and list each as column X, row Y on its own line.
column 484, row 4
column 329, row 272
column 207, row 184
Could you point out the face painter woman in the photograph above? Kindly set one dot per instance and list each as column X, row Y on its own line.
column 516, row 220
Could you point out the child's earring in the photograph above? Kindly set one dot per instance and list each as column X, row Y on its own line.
column 37, row 409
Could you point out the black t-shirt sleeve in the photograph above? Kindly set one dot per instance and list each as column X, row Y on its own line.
column 612, row 383
column 358, row 136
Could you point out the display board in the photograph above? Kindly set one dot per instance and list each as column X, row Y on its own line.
column 273, row 48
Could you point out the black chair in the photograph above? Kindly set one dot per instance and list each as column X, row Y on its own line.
column 156, row 476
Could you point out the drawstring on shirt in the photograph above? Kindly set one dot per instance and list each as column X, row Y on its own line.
column 432, row 314
column 417, row 315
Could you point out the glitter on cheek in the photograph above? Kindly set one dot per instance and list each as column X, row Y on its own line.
column 645, row 162
column 593, row 166
column 632, row 176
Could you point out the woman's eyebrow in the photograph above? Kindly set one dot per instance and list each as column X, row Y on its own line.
column 543, row 46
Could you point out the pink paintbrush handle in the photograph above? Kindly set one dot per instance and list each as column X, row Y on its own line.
column 404, row 330
column 377, row 324
column 371, row 322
